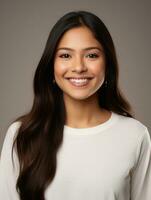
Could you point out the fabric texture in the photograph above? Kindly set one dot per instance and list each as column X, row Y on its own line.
column 110, row 161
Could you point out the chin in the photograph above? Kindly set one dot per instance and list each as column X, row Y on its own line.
column 78, row 96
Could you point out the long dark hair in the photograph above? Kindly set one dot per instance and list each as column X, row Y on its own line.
column 41, row 132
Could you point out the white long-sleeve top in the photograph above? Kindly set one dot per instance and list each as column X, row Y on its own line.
column 110, row 161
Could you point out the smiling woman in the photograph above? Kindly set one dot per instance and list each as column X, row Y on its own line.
column 79, row 64
column 80, row 140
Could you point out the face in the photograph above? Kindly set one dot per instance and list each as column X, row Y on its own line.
column 79, row 64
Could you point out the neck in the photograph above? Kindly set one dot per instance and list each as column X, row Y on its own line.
column 84, row 113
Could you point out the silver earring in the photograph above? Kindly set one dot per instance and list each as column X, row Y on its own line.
column 105, row 83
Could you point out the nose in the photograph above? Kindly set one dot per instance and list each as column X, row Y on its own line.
column 79, row 65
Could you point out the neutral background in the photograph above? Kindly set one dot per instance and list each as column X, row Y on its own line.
column 25, row 26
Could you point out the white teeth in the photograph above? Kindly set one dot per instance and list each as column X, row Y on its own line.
column 79, row 82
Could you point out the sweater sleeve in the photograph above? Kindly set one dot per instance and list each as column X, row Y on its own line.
column 8, row 173
column 141, row 176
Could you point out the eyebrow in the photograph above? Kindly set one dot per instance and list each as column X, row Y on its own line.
column 85, row 49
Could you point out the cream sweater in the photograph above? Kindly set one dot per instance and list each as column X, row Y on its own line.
column 110, row 161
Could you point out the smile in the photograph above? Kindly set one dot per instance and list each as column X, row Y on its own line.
column 79, row 82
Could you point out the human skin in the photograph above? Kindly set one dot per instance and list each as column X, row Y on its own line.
column 80, row 54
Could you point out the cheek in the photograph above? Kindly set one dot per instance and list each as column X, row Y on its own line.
column 98, row 68
column 59, row 68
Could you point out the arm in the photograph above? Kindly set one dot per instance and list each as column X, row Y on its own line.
column 8, row 174
column 141, row 175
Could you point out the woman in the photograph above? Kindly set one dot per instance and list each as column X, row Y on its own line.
column 80, row 139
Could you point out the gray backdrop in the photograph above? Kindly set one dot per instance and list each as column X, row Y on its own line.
column 24, row 28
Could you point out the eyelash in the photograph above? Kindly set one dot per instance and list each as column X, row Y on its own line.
column 65, row 54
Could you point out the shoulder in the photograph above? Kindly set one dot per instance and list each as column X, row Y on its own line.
column 13, row 128
column 11, row 133
column 131, row 121
column 132, row 127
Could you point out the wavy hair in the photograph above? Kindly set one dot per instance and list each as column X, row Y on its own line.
column 41, row 132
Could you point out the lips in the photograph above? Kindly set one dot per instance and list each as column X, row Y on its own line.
column 79, row 82
column 79, row 77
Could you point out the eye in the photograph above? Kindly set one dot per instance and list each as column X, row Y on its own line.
column 65, row 55
column 92, row 55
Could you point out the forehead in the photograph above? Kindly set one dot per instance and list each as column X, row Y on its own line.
column 79, row 37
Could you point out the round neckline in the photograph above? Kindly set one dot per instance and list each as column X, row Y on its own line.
column 92, row 129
